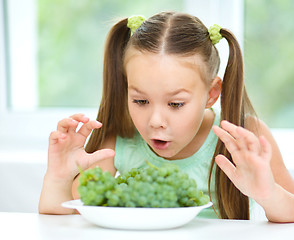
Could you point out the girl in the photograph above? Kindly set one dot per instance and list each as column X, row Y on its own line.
column 160, row 83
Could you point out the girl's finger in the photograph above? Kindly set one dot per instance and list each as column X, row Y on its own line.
column 248, row 140
column 233, row 130
column 227, row 166
column 230, row 128
column 245, row 139
column 55, row 137
column 100, row 155
column 226, row 138
column 266, row 151
column 87, row 128
column 80, row 117
column 66, row 125
column 70, row 124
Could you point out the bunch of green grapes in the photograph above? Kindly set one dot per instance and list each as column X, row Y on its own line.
column 162, row 187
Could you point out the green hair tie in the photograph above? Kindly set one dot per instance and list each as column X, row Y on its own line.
column 214, row 33
column 134, row 22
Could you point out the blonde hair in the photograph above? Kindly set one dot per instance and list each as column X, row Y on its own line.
column 181, row 35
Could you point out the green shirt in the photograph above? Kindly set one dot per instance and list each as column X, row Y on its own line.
column 133, row 152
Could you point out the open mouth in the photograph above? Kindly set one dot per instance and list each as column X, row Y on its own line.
column 160, row 144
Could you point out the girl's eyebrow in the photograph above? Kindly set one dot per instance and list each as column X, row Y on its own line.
column 172, row 93
column 178, row 91
column 134, row 89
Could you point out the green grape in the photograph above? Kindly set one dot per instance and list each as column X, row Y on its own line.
column 203, row 200
column 161, row 187
column 93, row 186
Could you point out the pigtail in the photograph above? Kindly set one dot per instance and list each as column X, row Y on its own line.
column 113, row 111
column 235, row 105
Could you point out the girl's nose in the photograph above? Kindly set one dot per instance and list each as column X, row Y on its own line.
column 158, row 119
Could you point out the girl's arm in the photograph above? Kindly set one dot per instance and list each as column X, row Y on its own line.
column 66, row 152
column 258, row 170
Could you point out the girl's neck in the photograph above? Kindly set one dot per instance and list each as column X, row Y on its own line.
column 200, row 137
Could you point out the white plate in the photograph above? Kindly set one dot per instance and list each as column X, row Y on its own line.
column 136, row 218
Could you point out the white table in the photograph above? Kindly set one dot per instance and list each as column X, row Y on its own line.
column 34, row 226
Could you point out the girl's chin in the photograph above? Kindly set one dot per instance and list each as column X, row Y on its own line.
column 168, row 155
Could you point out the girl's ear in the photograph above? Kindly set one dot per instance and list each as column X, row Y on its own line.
column 214, row 92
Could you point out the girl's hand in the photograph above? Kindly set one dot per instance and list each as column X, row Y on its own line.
column 66, row 148
column 251, row 172
column 66, row 153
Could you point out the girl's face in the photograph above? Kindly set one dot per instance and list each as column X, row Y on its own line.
column 167, row 99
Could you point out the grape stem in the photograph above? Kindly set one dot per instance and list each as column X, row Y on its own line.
column 151, row 165
column 80, row 169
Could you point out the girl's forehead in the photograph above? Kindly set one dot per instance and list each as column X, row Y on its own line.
column 135, row 59
column 166, row 73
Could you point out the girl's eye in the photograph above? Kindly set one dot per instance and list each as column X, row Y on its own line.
column 176, row 104
column 141, row 102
